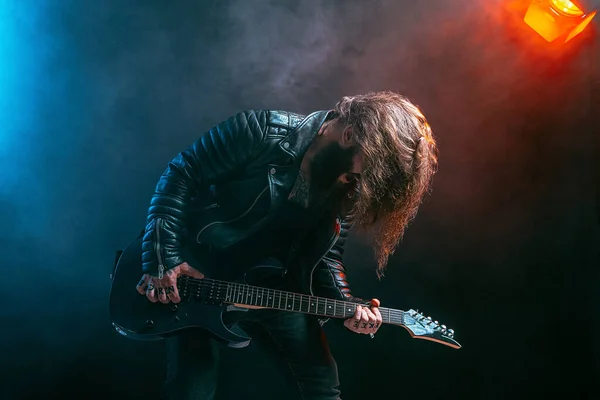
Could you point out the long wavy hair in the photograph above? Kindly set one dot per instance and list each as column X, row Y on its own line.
column 400, row 159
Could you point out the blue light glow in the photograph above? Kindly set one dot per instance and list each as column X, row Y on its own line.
column 20, row 66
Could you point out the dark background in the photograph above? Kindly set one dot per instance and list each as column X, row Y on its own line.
column 97, row 96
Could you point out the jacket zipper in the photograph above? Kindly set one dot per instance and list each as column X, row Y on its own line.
column 334, row 239
column 161, row 266
column 234, row 219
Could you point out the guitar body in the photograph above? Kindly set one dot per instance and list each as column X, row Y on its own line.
column 135, row 317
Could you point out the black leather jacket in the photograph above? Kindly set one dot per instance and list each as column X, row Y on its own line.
column 229, row 183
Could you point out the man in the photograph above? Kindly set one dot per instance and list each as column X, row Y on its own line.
column 280, row 186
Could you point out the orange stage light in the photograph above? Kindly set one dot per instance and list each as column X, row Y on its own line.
column 554, row 19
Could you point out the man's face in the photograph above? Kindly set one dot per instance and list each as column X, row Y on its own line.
column 332, row 170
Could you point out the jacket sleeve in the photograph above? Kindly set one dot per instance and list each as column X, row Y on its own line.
column 330, row 274
column 218, row 153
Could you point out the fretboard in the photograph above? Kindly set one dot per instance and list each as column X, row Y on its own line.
column 234, row 293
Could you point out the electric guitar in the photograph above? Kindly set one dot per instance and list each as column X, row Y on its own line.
column 206, row 303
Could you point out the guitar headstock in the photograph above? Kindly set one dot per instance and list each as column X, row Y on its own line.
column 421, row 327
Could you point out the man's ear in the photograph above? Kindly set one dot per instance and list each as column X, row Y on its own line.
column 347, row 136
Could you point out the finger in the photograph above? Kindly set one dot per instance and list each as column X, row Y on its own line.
column 358, row 312
column 364, row 321
column 378, row 317
column 375, row 303
column 151, row 292
column 364, row 316
column 372, row 320
column 142, row 284
column 370, row 315
column 161, row 294
column 169, row 286
column 172, row 292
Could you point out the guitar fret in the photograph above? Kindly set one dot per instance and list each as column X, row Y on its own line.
column 279, row 306
column 231, row 292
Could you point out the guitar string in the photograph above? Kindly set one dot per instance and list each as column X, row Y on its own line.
column 250, row 290
column 257, row 290
column 206, row 282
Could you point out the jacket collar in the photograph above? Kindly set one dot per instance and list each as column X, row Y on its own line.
column 283, row 176
column 297, row 142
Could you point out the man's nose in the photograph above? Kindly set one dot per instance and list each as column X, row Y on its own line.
column 345, row 178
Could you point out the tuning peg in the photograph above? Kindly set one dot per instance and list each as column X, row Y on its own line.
column 444, row 328
column 436, row 323
column 450, row 332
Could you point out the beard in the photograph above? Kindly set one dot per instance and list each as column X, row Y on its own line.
column 325, row 192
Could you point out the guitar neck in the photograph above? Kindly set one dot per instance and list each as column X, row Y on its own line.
column 235, row 293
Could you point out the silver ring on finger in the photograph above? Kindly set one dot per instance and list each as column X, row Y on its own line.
column 372, row 335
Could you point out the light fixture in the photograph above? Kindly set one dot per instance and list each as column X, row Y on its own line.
column 557, row 19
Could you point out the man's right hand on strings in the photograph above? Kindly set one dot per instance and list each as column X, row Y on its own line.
column 165, row 289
